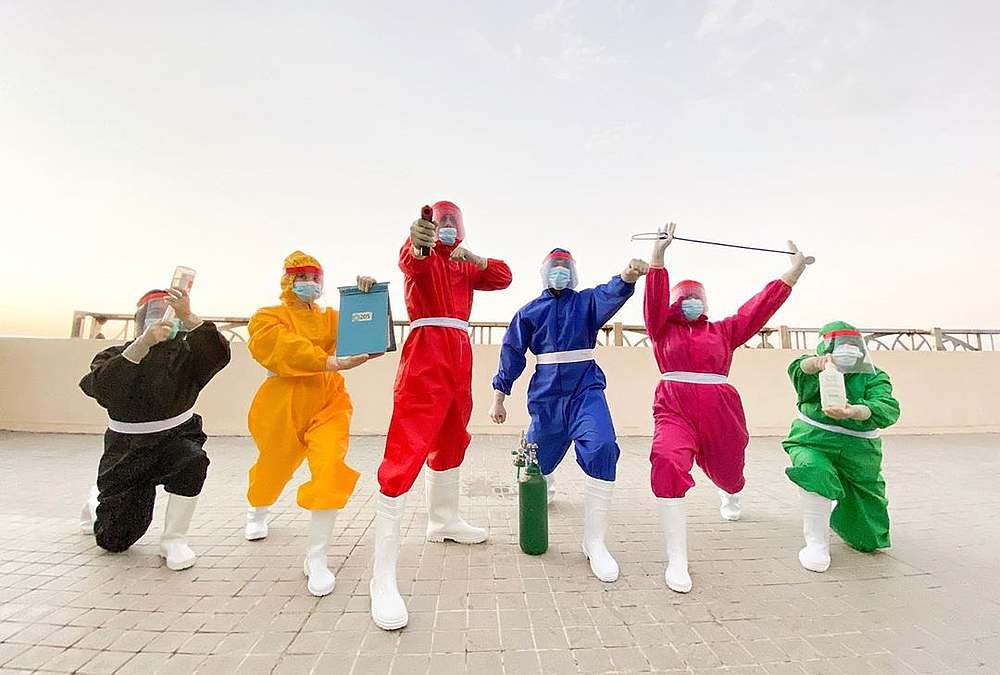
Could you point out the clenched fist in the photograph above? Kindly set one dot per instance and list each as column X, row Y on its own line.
column 635, row 269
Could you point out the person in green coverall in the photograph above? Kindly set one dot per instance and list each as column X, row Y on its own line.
column 836, row 452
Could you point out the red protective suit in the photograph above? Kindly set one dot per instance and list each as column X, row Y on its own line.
column 432, row 399
column 699, row 422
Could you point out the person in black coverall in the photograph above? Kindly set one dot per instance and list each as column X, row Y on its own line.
column 149, row 387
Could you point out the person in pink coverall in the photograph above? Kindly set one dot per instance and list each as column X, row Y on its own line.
column 698, row 415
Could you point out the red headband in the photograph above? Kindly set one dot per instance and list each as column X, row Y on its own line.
column 304, row 269
column 845, row 332
column 152, row 295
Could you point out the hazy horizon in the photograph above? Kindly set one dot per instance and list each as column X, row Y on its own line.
column 136, row 138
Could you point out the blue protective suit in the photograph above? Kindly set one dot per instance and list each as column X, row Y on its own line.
column 565, row 400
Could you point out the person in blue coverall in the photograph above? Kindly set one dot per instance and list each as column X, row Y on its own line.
column 566, row 395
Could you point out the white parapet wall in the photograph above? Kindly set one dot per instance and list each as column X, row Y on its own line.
column 940, row 392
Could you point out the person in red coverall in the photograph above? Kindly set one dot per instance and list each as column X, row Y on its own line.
column 698, row 415
column 432, row 399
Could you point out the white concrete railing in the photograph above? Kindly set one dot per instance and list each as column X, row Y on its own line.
column 940, row 392
column 120, row 327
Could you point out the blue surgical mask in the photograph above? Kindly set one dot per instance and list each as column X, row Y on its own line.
column 307, row 291
column 692, row 308
column 176, row 329
column 559, row 278
column 447, row 235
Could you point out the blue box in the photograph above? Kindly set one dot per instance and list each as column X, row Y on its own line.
column 365, row 323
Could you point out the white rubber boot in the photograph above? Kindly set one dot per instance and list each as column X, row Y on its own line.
column 88, row 515
column 596, row 498
column 550, row 487
column 815, row 556
column 730, row 508
column 673, row 517
column 388, row 609
column 173, row 543
column 321, row 579
column 443, row 521
column 257, row 522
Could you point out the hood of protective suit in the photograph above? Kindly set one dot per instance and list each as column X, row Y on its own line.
column 687, row 289
column 297, row 263
column 559, row 257
column 825, row 345
column 447, row 214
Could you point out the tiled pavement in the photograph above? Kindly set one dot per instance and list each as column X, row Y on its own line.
column 929, row 604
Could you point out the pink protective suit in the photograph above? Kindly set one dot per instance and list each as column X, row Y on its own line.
column 697, row 422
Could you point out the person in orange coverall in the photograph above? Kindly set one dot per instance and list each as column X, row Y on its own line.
column 301, row 411
column 432, row 400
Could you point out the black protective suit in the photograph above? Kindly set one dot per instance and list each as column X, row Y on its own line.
column 165, row 384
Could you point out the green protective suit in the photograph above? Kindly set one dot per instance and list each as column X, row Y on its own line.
column 842, row 467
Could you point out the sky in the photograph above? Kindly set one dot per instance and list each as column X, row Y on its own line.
column 138, row 136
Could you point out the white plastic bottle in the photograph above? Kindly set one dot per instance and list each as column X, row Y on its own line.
column 832, row 392
column 183, row 279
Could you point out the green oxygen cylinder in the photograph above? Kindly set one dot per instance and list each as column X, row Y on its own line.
column 532, row 499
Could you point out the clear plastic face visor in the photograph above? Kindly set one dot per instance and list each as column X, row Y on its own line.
column 152, row 309
column 848, row 350
column 446, row 214
column 689, row 289
column 559, row 260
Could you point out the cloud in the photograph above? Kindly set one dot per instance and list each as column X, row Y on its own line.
column 575, row 53
column 557, row 14
column 607, row 138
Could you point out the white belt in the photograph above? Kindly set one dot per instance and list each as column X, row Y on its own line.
column 446, row 321
column 150, row 427
column 694, row 378
column 571, row 356
column 839, row 430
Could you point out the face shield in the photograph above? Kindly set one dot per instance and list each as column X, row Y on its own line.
column 691, row 297
column 448, row 219
column 848, row 350
column 307, row 282
column 152, row 308
column 559, row 270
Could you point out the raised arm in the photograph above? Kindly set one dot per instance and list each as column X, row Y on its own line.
column 656, row 301
column 410, row 262
column 283, row 351
column 755, row 313
column 210, row 351
column 607, row 299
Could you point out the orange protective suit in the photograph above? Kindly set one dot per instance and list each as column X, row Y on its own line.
column 302, row 411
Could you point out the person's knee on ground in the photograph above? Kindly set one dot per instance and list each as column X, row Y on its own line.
column 123, row 518
column 861, row 517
